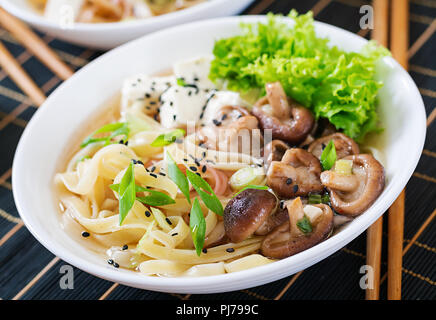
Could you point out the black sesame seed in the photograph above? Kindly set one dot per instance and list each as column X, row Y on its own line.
column 162, row 174
column 147, row 95
column 174, row 117
column 153, row 168
column 204, row 250
column 116, row 265
column 193, row 168
column 85, row 234
column 110, row 261
column 184, row 159
column 224, row 117
column 289, row 181
column 204, row 154
column 204, row 169
column 216, row 122
column 125, row 247
column 196, row 79
column 171, row 103
column 174, row 234
column 153, row 175
column 168, row 221
column 198, row 174
column 323, row 146
column 230, row 250
column 295, row 188
column 197, row 163
column 147, row 213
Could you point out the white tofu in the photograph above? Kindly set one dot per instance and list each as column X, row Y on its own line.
column 141, row 10
column 312, row 212
column 195, row 71
column 221, row 99
column 180, row 105
column 144, row 88
column 63, row 12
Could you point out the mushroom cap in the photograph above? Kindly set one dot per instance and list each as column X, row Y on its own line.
column 246, row 212
column 287, row 120
column 274, row 151
column 297, row 174
column 352, row 199
column 344, row 145
column 281, row 243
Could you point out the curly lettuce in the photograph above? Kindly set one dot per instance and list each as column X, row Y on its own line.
column 334, row 84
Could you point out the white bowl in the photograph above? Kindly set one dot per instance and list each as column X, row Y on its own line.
column 73, row 104
column 111, row 35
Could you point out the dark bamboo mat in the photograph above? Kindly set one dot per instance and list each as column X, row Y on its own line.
column 28, row 270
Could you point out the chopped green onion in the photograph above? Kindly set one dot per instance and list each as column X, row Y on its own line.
column 177, row 176
column 304, row 225
column 116, row 129
column 136, row 124
column 344, row 167
column 127, row 192
column 317, row 198
column 168, row 138
column 197, row 224
column 181, row 82
column 205, row 192
column 328, row 156
column 251, row 187
column 246, row 176
column 156, row 198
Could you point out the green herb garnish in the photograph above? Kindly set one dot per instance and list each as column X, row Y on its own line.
column 168, row 138
column 317, row 198
column 251, row 187
column 155, row 198
column 115, row 130
column 127, row 192
column 205, row 192
column 332, row 83
column 328, row 156
column 197, row 224
column 177, row 176
column 181, row 82
column 304, row 225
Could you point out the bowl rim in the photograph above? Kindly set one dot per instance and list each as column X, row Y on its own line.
column 197, row 284
column 36, row 19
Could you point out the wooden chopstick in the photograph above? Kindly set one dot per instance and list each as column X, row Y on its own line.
column 374, row 233
column 399, row 48
column 20, row 77
column 35, row 45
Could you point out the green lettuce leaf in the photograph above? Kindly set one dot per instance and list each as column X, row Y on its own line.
column 332, row 83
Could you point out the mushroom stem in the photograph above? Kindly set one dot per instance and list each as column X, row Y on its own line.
column 278, row 100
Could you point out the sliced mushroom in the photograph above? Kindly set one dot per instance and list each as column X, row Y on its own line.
column 297, row 174
column 352, row 194
column 274, row 151
column 344, row 145
column 233, row 130
column 274, row 220
column 287, row 120
column 246, row 212
column 288, row 239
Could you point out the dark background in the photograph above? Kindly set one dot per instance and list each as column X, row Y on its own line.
column 29, row 271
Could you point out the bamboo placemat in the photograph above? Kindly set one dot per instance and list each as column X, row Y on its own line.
column 29, row 271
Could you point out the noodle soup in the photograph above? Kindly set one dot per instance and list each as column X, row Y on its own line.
column 190, row 178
